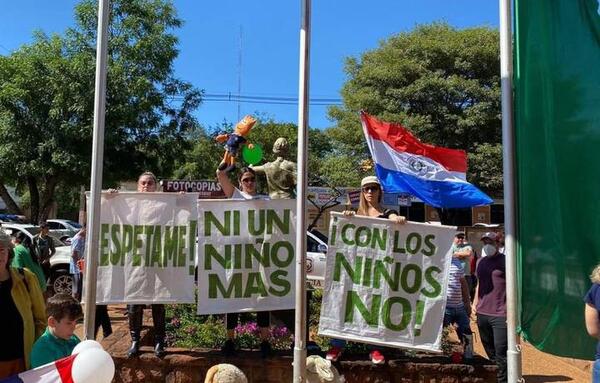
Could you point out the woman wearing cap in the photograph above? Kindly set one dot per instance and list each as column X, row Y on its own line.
column 371, row 195
column 23, row 317
column 490, row 303
column 247, row 184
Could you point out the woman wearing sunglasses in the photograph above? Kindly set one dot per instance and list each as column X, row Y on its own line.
column 247, row 190
column 370, row 206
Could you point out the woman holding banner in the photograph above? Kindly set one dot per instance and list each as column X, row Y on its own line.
column 247, row 184
column 146, row 183
column 371, row 195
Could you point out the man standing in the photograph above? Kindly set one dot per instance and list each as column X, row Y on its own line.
column 490, row 303
column 462, row 251
column 77, row 256
column 44, row 249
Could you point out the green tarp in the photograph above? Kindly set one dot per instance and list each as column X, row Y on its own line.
column 557, row 122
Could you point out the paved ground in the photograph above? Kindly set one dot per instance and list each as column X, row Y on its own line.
column 538, row 367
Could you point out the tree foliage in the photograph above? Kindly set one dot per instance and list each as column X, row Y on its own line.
column 441, row 83
column 47, row 93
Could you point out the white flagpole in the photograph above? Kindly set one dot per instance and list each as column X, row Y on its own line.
column 300, row 320
column 93, row 220
column 506, row 72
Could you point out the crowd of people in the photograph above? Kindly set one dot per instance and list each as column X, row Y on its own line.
column 41, row 325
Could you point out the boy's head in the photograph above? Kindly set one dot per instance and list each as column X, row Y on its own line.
column 63, row 311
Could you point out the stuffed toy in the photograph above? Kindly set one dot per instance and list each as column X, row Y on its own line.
column 319, row 370
column 225, row 373
column 235, row 141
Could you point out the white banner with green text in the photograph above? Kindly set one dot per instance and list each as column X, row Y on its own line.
column 385, row 283
column 147, row 248
column 246, row 253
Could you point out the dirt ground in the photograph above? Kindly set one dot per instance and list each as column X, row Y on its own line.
column 539, row 367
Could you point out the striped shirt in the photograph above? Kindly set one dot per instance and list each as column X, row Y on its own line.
column 454, row 286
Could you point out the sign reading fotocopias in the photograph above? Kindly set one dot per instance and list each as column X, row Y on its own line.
column 385, row 283
column 147, row 248
column 246, row 255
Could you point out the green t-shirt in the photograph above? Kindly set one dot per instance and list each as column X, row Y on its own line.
column 465, row 263
column 49, row 348
column 24, row 260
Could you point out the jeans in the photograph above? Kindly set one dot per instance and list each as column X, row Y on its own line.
column 77, row 286
column 596, row 372
column 493, row 333
column 459, row 316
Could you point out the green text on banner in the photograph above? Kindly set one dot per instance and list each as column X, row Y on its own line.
column 147, row 248
column 386, row 283
column 246, row 253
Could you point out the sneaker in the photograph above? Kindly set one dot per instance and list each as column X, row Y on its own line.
column 334, row 354
column 228, row 348
column 265, row 349
column 377, row 357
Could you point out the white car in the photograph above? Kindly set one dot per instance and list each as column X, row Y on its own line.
column 65, row 229
column 316, row 257
column 60, row 279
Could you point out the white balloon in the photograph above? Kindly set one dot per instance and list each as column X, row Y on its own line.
column 86, row 345
column 93, row 365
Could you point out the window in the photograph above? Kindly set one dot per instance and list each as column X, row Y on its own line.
column 312, row 245
column 53, row 225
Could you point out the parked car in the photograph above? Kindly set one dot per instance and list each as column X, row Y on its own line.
column 11, row 218
column 60, row 279
column 316, row 257
column 64, row 229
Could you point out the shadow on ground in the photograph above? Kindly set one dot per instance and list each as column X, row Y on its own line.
column 546, row 378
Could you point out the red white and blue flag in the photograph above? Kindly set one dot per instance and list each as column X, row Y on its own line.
column 55, row 372
column 403, row 164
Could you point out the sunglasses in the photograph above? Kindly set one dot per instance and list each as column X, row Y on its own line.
column 370, row 189
column 249, row 180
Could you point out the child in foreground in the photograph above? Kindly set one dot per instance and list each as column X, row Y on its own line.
column 58, row 341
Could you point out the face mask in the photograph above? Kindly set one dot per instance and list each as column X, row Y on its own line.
column 488, row 250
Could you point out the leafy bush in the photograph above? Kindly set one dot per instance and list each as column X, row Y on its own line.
column 186, row 329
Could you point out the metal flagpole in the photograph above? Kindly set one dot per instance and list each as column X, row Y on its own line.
column 506, row 72
column 300, row 320
column 93, row 221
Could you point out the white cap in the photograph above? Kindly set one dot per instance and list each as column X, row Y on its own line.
column 491, row 235
column 369, row 180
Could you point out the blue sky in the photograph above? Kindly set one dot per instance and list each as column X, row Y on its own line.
column 210, row 42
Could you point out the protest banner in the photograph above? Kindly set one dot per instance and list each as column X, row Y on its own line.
column 246, row 253
column 386, row 283
column 147, row 248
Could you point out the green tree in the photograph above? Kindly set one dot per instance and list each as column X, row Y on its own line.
column 441, row 83
column 46, row 101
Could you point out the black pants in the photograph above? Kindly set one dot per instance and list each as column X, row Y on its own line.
column 135, row 315
column 472, row 283
column 493, row 333
column 102, row 319
column 262, row 319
